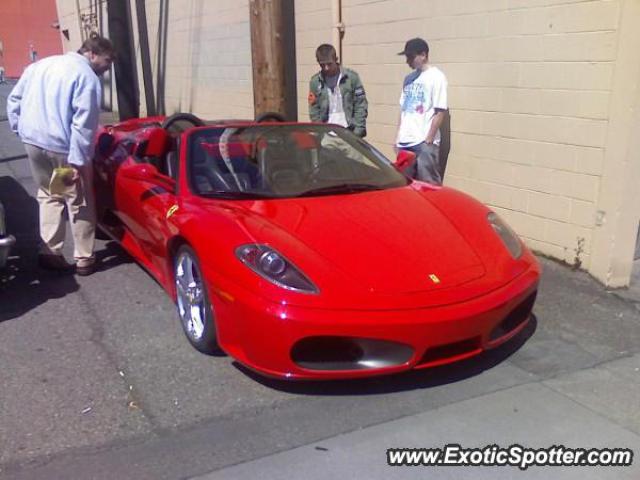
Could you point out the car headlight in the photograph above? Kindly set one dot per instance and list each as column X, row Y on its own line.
column 272, row 266
column 508, row 236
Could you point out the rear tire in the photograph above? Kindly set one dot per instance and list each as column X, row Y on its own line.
column 192, row 301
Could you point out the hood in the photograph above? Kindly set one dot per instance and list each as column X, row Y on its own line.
column 388, row 242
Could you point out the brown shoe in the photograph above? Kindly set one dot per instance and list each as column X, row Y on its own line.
column 54, row 262
column 85, row 266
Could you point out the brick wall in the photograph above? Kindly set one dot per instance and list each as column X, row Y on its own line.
column 26, row 29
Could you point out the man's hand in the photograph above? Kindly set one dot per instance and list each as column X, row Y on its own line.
column 360, row 132
column 435, row 126
column 74, row 176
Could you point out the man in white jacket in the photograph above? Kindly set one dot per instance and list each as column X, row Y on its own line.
column 54, row 108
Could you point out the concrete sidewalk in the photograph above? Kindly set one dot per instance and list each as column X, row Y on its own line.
column 570, row 407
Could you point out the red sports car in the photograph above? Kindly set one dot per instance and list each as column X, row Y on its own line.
column 304, row 253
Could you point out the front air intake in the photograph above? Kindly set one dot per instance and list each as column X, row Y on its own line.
column 516, row 317
column 348, row 353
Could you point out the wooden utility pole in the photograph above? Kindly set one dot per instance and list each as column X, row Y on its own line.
column 272, row 44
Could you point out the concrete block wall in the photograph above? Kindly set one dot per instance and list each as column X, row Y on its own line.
column 68, row 17
column 208, row 57
column 529, row 88
column 313, row 27
column 208, row 53
column 543, row 96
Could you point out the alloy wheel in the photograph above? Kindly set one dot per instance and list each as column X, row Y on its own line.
column 190, row 296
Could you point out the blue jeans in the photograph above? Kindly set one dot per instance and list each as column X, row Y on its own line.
column 426, row 167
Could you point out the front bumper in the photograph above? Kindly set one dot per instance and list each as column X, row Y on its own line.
column 5, row 247
column 267, row 337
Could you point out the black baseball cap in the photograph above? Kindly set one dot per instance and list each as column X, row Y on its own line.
column 414, row 47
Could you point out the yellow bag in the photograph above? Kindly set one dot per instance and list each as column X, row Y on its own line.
column 61, row 181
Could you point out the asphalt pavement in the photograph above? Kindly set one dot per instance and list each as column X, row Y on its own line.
column 97, row 381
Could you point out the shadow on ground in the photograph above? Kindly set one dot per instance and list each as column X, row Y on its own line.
column 22, row 285
column 427, row 378
column 110, row 255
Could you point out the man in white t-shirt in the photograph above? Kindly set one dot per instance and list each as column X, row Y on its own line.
column 423, row 105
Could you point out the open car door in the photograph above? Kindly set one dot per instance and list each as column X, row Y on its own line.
column 145, row 196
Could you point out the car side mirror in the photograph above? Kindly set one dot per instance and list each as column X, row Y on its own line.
column 404, row 160
column 145, row 172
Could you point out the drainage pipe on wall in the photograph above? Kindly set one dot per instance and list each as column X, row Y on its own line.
column 337, row 27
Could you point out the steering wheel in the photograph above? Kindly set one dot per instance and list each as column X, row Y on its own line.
column 270, row 117
column 181, row 117
column 211, row 170
column 215, row 172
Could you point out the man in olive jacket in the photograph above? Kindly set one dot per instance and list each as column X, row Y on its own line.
column 345, row 105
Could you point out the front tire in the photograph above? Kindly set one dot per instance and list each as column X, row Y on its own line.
column 192, row 301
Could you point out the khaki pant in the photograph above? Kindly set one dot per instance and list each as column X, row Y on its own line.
column 79, row 201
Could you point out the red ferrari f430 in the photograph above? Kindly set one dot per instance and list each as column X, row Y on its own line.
column 304, row 253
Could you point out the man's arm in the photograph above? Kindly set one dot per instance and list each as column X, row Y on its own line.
column 315, row 113
column 14, row 99
column 360, row 107
column 440, row 106
column 435, row 125
column 401, row 103
column 86, row 113
column 395, row 143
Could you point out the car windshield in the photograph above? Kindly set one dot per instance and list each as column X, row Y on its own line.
column 285, row 161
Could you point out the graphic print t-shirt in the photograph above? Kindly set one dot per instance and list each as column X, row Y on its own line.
column 423, row 92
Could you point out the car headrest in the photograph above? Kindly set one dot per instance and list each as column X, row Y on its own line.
column 235, row 149
column 157, row 143
column 305, row 140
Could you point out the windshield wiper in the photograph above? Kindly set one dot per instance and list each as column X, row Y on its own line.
column 340, row 188
column 234, row 195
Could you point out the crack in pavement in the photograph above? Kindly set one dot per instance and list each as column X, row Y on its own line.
column 135, row 401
